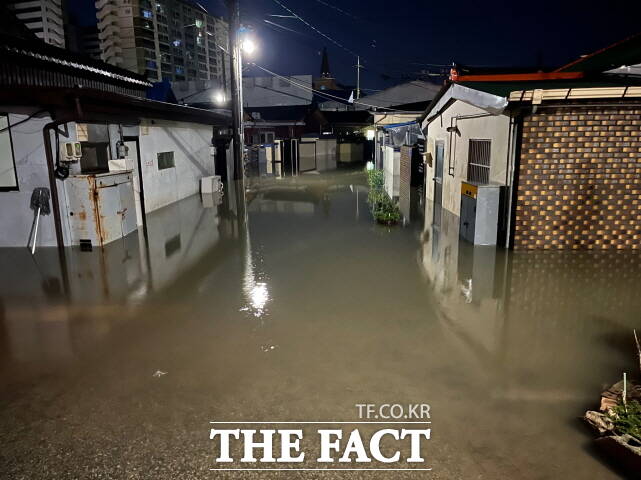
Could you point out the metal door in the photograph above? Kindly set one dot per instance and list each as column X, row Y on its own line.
column 307, row 159
column 438, row 182
column 467, row 225
column 127, row 210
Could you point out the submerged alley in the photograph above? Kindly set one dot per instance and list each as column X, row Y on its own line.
column 217, row 262
column 305, row 311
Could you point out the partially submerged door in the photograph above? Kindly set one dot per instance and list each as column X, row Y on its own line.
column 438, row 182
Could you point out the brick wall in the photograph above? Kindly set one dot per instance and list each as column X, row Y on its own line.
column 579, row 179
column 405, row 183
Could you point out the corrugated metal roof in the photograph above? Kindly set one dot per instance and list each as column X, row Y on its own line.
column 36, row 53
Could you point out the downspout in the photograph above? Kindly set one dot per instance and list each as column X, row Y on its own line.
column 57, row 218
column 513, row 165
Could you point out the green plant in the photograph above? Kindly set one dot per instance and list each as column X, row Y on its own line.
column 375, row 179
column 386, row 210
column 627, row 419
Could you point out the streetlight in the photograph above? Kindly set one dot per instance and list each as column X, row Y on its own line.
column 248, row 45
column 219, row 97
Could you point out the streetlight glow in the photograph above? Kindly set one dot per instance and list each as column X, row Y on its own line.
column 219, row 97
column 248, row 45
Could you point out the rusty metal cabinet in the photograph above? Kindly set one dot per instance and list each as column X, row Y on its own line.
column 100, row 207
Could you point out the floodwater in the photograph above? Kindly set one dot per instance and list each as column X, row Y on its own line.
column 299, row 314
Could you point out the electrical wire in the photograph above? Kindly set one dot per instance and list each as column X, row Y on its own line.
column 338, row 44
column 281, row 26
column 338, row 9
column 318, row 92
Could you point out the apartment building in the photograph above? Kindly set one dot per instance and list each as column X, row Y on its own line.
column 42, row 17
column 176, row 40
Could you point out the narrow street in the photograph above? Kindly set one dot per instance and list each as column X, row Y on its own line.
column 308, row 310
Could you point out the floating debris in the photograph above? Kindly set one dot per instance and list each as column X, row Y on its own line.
column 159, row 373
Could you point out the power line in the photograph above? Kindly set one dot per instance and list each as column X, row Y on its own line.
column 281, row 26
column 338, row 9
column 338, row 44
column 318, row 92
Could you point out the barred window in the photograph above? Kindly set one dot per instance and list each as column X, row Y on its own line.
column 478, row 161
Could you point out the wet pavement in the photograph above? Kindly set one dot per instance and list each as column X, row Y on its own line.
column 299, row 314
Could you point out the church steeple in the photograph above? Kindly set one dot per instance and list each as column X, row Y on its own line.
column 325, row 72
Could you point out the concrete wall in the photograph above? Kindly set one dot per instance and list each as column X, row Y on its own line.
column 351, row 152
column 392, row 171
column 16, row 216
column 325, row 154
column 192, row 156
column 494, row 128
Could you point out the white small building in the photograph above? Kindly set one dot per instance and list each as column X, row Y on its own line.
column 106, row 155
column 464, row 125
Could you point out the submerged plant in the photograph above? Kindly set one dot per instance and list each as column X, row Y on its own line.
column 627, row 418
column 375, row 179
column 384, row 209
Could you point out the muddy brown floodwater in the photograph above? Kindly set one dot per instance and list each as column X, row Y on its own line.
column 298, row 315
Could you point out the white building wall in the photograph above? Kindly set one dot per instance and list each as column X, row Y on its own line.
column 392, row 171
column 46, row 22
column 493, row 127
column 16, row 216
column 191, row 144
column 121, row 46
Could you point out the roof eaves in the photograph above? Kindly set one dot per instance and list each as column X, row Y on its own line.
column 491, row 103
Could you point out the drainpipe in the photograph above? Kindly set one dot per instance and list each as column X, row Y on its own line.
column 513, row 165
column 46, row 132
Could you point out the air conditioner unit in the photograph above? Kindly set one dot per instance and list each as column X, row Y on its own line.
column 70, row 151
column 209, row 185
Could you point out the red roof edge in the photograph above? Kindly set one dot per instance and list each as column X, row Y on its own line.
column 520, row 77
column 590, row 55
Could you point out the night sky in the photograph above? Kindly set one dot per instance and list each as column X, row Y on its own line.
column 397, row 38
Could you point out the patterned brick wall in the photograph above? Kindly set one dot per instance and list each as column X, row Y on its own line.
column 579, row 181
column 405, row 171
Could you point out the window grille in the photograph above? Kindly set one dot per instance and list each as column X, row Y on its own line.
column 478, row 161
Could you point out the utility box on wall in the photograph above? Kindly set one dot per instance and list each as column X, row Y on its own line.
column 481, row 206
column 101, row 207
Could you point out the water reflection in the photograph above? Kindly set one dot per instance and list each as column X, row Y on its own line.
column 254, row 281
column 44, row 325
column 299, row 312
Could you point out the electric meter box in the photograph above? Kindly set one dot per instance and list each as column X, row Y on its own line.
column 71, row 151
column 481, row 213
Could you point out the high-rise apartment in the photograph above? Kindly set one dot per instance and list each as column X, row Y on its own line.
column 164, row 39
column 42, row 17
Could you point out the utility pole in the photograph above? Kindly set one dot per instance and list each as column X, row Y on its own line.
column 358, row 77
column 236, row 91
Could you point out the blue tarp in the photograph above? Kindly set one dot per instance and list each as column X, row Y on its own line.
column 162, row 92
column 394, row 125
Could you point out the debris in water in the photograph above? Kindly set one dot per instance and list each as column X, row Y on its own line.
column 268, row 348
column 159, row 373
